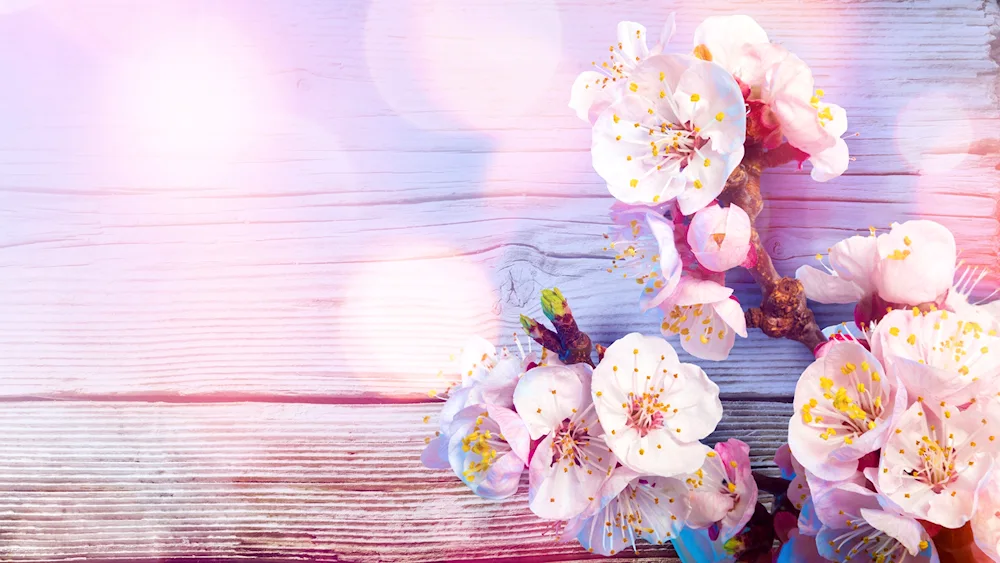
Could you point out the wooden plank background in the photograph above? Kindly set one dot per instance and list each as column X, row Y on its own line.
column 239, row 238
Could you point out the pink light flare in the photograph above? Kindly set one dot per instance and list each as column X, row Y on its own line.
column 404, row 317
column 480, row 63
column 933, row 133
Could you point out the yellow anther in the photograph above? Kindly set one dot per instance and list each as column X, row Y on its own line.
column 695, row 97
column 633, row 87
column 720, row 116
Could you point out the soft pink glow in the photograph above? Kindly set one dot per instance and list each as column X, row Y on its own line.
column 481, row 62
column 408, row 315
column 933, row 132
column 195, row 94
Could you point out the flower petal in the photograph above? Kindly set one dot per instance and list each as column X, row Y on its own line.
column 546, row 396
column 830, row 163
column 916, row 262
column 590, row 95
column 435, row 455
column 555, row 493
column 827, row 288
column 724, row 39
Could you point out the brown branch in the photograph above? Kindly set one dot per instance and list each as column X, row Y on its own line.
column 783, row 312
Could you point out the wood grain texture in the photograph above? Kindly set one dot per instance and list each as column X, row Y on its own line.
column 238, row 480
column 350, row 222
column 333, row 244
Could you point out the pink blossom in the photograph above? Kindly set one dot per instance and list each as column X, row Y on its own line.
column 572, row 459
column 631, row 507
column 844, row 408
column 935, row 459
column 720, row 237
column 857, row 521
column 488, row 450
column 941, row 356
column 653, row 408
column 723, row 491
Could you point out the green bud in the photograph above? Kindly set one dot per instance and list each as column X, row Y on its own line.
column 527, row 323
column 733, row 546
column 553, row 303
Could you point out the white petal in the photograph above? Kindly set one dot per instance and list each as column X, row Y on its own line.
column 696, row 398
column 472, row 362
column 730, row 312
column 713, row 178
column 515, row 433
column 632, row 38
column 854, row 259
column 556, row 494
column 917, row 272
column 590, row 96
column 707, row 92
column 725, row 38
column 830, row 163
column 823, row 287
column 546, row 396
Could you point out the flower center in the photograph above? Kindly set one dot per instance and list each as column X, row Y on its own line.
column 635, row 253
column 645, row 413
column 880, row 547
column 849, row 410
column 485, row 444
column 568, row 442
column 692, row 320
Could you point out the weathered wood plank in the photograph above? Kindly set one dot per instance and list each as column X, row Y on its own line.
column 330, row 482
column 362, row 210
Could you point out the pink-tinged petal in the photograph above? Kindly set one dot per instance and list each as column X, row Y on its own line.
column 849, row 498
column 731, row 313
column 546, row 396
column 497, row 387
column 830, row 163
column 694, row 291
column 947, row 496
column 659, row 288
column 986, row 520
column 789, row 88
column 590, row 95
column 435, row 455
column 725, row 38
column 640, row 374
column 556, row 492
column 515, row 433
column 847, row 377
column 941, row 355
column 854, row 259
column 480, row 456
column 824, row 287
column 916, row 262
column 906, row 531
column 458, row 399
column 720, row 238
column 708, row 508
column 783, row 459
column 501, row 479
